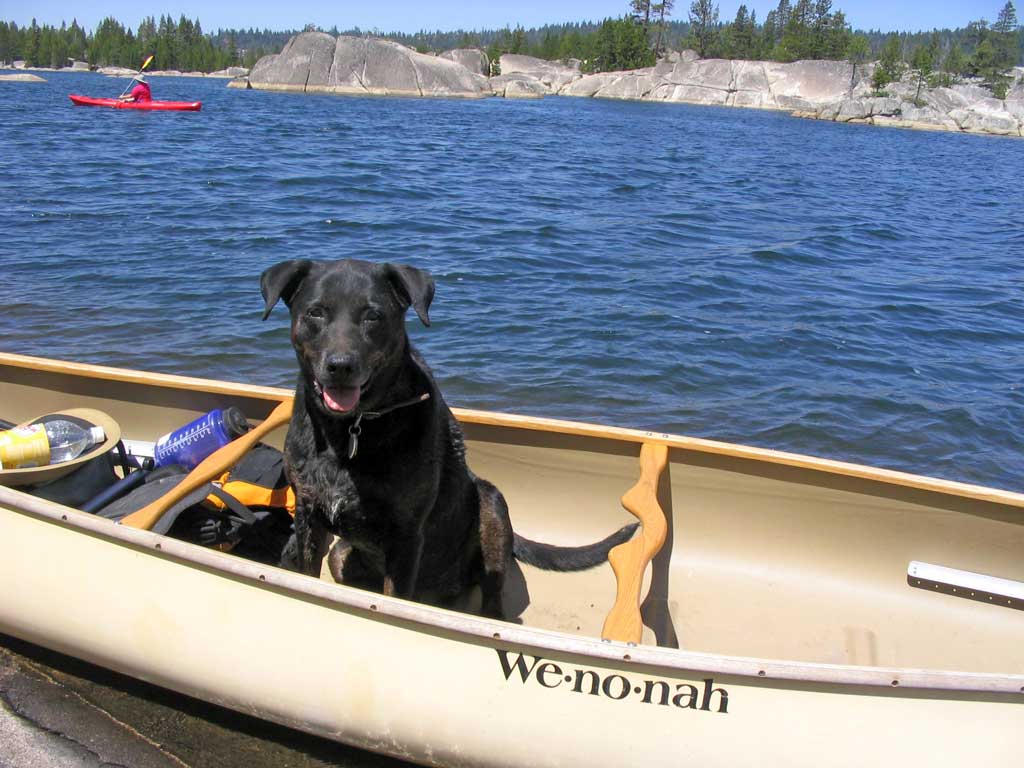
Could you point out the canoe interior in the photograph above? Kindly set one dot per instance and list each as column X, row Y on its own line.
column 762, row 559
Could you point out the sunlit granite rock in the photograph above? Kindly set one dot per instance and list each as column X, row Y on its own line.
column 823, row 90
column 315, row 62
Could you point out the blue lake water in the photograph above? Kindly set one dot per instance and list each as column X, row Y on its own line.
column 844, row 291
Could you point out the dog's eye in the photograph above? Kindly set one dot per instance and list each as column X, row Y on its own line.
column 315, row 313
column 371, row 316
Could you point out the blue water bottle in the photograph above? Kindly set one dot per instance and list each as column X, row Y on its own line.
column 193, row 442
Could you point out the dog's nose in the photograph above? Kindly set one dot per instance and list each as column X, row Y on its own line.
column 341, row 367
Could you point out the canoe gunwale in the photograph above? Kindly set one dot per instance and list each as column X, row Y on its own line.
column 377, row 607
column 541, row 424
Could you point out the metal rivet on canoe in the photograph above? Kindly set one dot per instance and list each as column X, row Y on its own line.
column 63, row 517
column 262, row 577
column 760, row 673
column 373, row 607
column 158, row 545
column 895, row 682
column 496, row 635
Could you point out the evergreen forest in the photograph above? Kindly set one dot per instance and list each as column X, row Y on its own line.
column 794, row 30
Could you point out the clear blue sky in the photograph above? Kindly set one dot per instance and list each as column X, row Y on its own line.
column 414, row 15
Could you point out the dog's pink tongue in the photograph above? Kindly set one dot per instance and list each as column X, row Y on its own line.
column 341, row 399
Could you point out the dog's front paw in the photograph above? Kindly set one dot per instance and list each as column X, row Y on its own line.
column 336, row 559
column 350, row 567
column 290, row 554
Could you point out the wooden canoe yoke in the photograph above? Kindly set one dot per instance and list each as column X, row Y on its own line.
column 630, row 559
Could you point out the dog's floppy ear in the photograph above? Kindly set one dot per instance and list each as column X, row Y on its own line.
column 414, row 287
column 281, row 281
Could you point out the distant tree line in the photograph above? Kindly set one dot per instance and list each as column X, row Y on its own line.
column 43, row 46
column 180, row 45
column 613, row 45
column 795, row 29
column 806, row 29
column 609, row 45
column 943, row 57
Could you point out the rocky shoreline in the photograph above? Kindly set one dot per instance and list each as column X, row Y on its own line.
column 230, row 73
column 315, row 62
column 21, row 77
column 23, row 72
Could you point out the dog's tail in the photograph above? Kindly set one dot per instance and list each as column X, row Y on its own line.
column 549, row 557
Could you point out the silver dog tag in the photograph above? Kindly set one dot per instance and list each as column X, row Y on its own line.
column 353, row 439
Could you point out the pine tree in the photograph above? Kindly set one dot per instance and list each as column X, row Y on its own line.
column 704, row 26
column 837, row 37
column 890, row 64
column 5, row 42
column 32, row 50
column 923, row 62
column 976, row 33
column 76, row 41
column 769, row 35
column 620, row 44
column 741, row 35
column 782, row 15
column 797, row 40
column 857, row 53
column 987, row 62
column 662, row 10
column 642, row 10
column 955, row 63
column 1007, row 40
column 518, row 41
column 1007, row 20
column 821, row 28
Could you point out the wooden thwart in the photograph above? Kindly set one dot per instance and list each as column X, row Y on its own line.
column 630, row 560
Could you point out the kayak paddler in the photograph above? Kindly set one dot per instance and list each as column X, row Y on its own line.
column 141, row 90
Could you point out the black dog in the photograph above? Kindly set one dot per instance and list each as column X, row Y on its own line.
column 374, row 453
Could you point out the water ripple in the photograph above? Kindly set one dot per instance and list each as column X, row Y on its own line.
column 676, row 268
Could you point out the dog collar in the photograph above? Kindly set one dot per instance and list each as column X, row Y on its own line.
column 356, row 429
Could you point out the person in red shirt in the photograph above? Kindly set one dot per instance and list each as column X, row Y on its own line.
column 141, row 90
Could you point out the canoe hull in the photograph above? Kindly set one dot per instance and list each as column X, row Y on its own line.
column 148, row 106
column 781, row 629
column 358, row 668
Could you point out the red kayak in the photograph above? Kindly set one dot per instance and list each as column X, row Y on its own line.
column 173, row 106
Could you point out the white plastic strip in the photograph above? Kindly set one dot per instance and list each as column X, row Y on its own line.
column 140, row 448
column 966, row 580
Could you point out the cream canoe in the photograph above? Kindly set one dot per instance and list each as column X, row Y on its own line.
column 800, row 612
